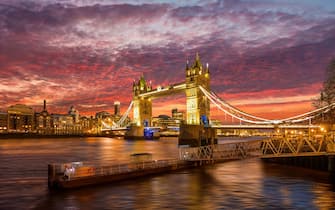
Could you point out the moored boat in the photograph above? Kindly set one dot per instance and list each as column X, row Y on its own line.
column 73, row 175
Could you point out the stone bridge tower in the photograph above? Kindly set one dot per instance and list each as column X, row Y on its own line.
column 142, row 107
column 197, row 105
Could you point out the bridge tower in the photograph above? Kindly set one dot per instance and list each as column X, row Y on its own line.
column 196, row 131
column 142, row 107
column 197, row 105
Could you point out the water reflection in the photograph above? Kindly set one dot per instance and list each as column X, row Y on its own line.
column 246, row 184
column 299, row 187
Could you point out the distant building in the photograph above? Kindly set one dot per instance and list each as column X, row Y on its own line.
column 74, row 113
column 102, row 114
column 3, row 122
column 43, row 121
column 89, row 125
column 20, row 118
column 117, row 108
column 178, row 115
column 161, row 121
column 64, row 124
column 165, row 121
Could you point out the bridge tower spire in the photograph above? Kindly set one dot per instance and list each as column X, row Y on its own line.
column 142, row 107
column 197, row 105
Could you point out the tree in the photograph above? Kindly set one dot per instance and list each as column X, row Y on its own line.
column 327, row 95
column 328, row 92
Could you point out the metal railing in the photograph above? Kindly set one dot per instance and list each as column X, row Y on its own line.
column 90, row 171
column 227, row 151
column 297, row 145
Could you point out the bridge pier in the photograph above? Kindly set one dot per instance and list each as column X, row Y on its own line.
column 134, row 132
column 141, row 132
column 322, row 163
column 312, row 162
column 196, row 135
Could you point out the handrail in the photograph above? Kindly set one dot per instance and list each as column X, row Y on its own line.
column 90, row 171
column 217, row 152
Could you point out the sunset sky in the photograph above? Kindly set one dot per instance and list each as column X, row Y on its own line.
column 267, row 57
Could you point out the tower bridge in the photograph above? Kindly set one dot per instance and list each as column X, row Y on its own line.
column 197, row 104
column 199, row 96
column 199, row 135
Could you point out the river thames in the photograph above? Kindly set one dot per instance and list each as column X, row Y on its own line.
column 245, row 184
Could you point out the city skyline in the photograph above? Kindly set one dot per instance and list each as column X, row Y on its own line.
column 265, row 57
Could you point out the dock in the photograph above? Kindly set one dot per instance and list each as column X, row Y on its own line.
column 78, row 174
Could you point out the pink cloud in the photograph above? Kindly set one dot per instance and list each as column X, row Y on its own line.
column 89, row 55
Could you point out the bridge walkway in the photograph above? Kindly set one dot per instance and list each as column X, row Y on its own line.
column 298, row 145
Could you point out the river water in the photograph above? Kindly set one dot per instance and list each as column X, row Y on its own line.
column 246, row 184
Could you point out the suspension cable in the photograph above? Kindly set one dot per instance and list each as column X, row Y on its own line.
column 125, row 115
column 224, row 103
column 215, row 99
column 230, row 114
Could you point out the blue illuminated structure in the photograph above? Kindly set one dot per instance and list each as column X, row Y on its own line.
column 151, row 132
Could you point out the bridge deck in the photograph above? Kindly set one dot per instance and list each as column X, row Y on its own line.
column 265, row 126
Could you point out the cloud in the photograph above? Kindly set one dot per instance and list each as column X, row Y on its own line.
column 87, row 53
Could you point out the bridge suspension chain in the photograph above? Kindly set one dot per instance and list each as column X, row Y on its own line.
column 243, row 116
column 317, row 112
column 224, row 103
column 214, row 100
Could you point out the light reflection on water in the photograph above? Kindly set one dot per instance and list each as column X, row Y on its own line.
column 246, row 184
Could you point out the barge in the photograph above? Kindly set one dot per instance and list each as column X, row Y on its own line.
column 76, row 174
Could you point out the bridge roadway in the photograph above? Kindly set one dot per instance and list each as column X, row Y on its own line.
column 241, row 127
column 266, row 126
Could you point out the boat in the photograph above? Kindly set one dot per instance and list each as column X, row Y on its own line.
column 77, row 174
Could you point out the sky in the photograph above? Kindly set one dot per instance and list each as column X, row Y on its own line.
column 267, row 57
